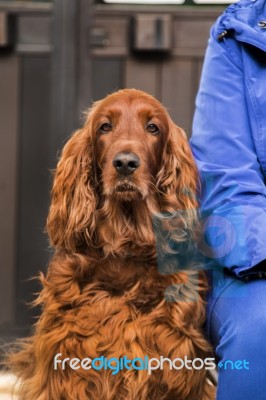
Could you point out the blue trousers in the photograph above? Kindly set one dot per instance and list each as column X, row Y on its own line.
column 236, row 325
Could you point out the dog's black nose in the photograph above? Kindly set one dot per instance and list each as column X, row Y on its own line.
column 126, row 163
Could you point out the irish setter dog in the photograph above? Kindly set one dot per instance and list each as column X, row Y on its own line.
column 104, row 295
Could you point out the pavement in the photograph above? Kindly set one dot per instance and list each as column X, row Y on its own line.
column 8, row 387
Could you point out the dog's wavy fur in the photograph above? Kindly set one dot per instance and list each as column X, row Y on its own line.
column 103, row 293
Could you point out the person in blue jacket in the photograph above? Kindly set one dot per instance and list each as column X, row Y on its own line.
column 229, row 144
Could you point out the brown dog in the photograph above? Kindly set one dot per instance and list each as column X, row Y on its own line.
column 103, row 295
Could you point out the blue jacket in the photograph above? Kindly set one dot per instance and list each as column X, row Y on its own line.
column 229, row 138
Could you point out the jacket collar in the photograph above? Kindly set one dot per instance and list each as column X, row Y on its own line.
column 247, row 20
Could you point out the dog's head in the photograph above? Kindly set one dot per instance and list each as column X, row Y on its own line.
column 131, row 131
column 129, row 151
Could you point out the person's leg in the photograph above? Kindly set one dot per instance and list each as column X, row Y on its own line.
column 236, row 323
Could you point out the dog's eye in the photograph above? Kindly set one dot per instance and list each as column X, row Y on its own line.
column 106, row 127
column 152, row 128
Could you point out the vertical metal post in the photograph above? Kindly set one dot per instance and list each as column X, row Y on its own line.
column 85, row 78
column 71, row 68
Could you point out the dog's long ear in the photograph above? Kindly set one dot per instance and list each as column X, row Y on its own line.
column 71, row 220
column 178, row 178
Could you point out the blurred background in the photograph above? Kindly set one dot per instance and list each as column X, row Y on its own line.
column 56, row 57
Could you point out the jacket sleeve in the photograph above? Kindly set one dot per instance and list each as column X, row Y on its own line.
column 233, row 195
